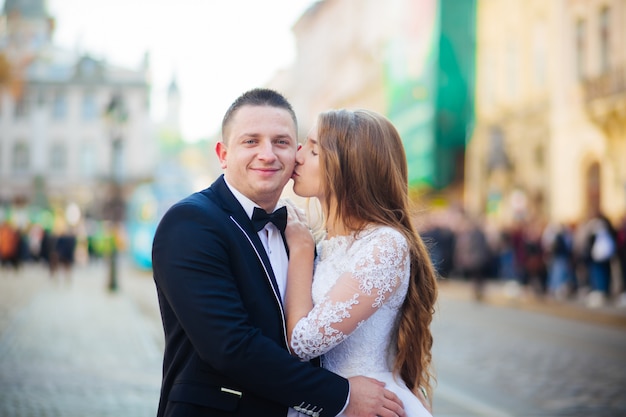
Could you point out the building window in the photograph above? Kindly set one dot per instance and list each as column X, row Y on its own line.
column 539, row 156
column 41, row 98
column 21, row 158
column 58, row 158
column 59, row 106
column 22, row 107
column 605, row 38
column 497, row 157
column 512, row 69
column 539, row 55
column 593, row 188
column 581, row 48
column 87, row 160
column 89, row 108
column 489, row 80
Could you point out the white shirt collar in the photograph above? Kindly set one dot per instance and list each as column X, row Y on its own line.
column 247, row 204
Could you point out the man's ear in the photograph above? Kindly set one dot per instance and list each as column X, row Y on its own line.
column 221, row 150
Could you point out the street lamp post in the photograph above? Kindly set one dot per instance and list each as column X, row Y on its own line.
column 116, row 115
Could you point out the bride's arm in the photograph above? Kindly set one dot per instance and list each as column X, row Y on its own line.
column 354, row 297
column 298, row 301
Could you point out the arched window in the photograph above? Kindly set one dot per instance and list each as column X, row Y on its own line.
column 593, row 188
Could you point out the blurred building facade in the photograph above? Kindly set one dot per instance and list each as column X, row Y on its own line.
column 60, row 112
column 550, row 134
column 411, row 60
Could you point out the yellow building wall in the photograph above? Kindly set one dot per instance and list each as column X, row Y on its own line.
column 528, row 87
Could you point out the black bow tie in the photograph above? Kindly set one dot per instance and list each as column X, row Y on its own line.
column 279, row 217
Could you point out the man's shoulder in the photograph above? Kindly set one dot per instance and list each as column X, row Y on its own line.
column 204, row 199
column 192, row 214
column 201, row 201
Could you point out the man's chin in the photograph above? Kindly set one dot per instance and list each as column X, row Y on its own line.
column 271, row 187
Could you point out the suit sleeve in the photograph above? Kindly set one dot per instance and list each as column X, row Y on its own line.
column 192, row 262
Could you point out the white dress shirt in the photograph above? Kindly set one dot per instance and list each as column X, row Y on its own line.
column 275, row 248
column 272, row 242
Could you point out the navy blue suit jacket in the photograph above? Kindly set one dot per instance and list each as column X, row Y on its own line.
column 225, row 339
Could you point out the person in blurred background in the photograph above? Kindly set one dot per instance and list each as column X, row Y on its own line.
column 65, row 252
column 220, row 271
column 35, row 236
column 557, row 242
column 600, row 250
column 505, row 256
column 9, row 245
column 472, row 254
column 621, row 255
column 369, row 304
column 438, row 237
column 534, row 265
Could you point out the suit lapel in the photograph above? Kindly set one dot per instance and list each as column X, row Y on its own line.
column 241, row 220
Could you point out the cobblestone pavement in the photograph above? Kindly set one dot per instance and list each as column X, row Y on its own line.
column 507, row 294
column 73, row 349
column 521, row 357
column 76, row 349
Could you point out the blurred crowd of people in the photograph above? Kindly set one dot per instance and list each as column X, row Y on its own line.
column 58, row 248
column 563, row 261
column 36, row 244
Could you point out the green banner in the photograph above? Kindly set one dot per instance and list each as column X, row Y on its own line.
column 410, row 71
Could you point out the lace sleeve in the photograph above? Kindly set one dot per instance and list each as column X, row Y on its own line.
column 355, row 296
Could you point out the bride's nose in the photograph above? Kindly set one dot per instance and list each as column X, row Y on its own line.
column 299, row 155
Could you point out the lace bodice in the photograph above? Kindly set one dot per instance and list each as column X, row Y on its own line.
column 359, row 285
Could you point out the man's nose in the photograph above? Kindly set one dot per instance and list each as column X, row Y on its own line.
column 267, row 150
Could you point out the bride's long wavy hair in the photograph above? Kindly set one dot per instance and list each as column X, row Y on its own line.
column 365, row 180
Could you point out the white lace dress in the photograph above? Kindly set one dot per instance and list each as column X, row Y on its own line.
column 358, row 288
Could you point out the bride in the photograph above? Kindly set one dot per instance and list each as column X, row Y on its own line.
column 368, row 306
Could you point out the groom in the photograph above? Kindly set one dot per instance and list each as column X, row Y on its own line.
column 220, row 274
